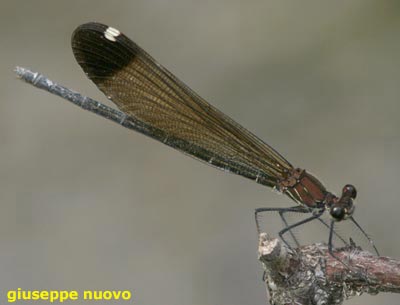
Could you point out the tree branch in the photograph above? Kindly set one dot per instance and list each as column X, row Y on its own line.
column 309, row 275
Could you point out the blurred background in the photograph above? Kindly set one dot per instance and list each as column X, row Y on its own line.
column 87, row 204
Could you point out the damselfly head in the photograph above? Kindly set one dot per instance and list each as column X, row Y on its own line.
column 344, row 207
column 338, row 213
column 350, row 191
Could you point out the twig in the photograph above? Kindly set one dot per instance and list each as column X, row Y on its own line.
column 309, row 275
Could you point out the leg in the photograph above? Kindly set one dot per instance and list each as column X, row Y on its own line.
column 321, row 221
column 311, row 218
column 281, row 214
column 365, row 234
column 281, row 211
column 295, row 209
column 330, row 246
column 334, row 232
column 330, row 250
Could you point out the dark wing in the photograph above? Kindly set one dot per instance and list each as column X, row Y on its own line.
column 149, row 93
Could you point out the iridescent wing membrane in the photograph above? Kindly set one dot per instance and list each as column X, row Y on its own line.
column 170, row 111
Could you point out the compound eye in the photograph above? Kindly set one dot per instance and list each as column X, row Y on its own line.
column 350, row 190
column 337, row 213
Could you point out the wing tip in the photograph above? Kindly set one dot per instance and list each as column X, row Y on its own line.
column 102, row 50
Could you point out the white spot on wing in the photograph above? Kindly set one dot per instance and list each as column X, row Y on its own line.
column 111, row 33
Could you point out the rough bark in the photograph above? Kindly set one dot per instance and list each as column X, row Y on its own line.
column 309, row 275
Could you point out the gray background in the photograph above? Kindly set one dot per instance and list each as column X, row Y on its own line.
column 86, row 204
